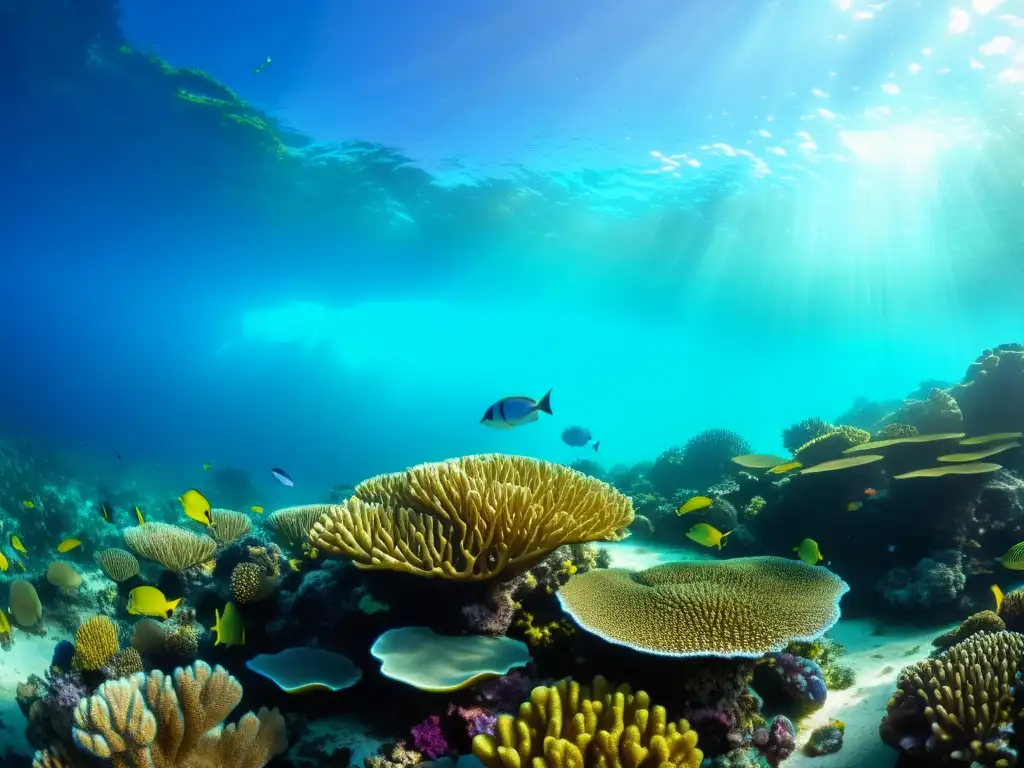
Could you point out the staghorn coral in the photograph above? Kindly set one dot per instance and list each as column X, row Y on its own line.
column 473, row 518
column 146, row 722
column 803, row 432
column 955, row 708
column 830, row 445
column 293, row 524
column 118, row 564
column 229, row 525
column 983, row 621
column 175, row 548
column 743, row 607
column 95, row 644
column 571, row 726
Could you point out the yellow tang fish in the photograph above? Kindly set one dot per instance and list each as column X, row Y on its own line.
column 782, row 469
column 106, row 512
column 4, row 565
column 5, row 628
column 707, row 535
column 697, row 502
column 295, row 564
column 997, row 593
column 206, row 466
column 1014, row 558
column 256, row 509
column 807, row 550
column 196, row 507
column 17, row 546
column 139, row 517
column 28, row 504
column 150, row 601
column 67, row 545
column 230, row 628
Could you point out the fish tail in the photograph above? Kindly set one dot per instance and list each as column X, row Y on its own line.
column 171, row 605
column 545, row 403
column 597, row 445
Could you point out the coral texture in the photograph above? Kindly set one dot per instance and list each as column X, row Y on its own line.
column 570, row 726
column 175, row 548
column 956, row 707
column 146, row 722
column 292, row 524
column 473, row 518
column 743, row 607
column 229, row 525
column 118, row 564
column 95, row 644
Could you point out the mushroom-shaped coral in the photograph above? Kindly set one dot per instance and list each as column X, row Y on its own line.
column 955, row 708
column 175, row 548
column 298, row 670
column 146, row 722
column 229, row 525
column 571, row 726
column 419, row 657
column 117, row 564
column 473, row 518
column 743, row 607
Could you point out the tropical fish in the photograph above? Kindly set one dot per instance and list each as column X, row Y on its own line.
column 106, row 512
column 511, row 412
column 196, row 507
column 118, row 455
column 230, row 628
column 707, row 535
column 870, row 492
column 261, row 66
column 853, row 506
column 16, row 545
column 808, row 551
column 20, row 564
column 206, row 466
column 5, row 630
column 1014, row 558
column 139, row 516
column 692, row 505
column 256, row 509
column 67, row 545
column 294, row 564
column 4, row 565
column 282, row 477
column 997, row 593
column 781, row 469
column 28, row 504
column 578, row 437
column 150, row 601
column 63, row 655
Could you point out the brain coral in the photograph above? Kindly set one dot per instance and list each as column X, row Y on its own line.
column 144, row 722
column 956, row 708
column 471, row 518
column 743, row 607
column 570, row 726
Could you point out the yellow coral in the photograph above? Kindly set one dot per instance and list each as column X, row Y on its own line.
column 964, row 698
column 541, row 636
column 118, row 564
column 292, row 524
column 95, row 644
column 175, row 548
column 570, row 726
column 743, row 607
column 144, row 722
column 471, row 518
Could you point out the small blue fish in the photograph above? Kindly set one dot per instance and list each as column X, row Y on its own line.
column 510, row 412
column 578, row 437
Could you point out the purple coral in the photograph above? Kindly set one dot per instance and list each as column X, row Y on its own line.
column 64, row 689
column 428, row 738
column 776, row 740
column 505, row 693
column 801, row 679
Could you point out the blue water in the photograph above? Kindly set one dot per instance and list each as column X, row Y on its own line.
column 733, row 214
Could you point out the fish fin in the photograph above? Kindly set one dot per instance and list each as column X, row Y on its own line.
column 545, row 403
column 597, row 445
column 171, row 605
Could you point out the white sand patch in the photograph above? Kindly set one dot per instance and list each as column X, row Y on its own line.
column 877, row 660
column 637, row 555
column 30, row 655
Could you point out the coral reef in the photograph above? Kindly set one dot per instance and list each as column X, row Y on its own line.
column 826, row 739
column 934, row 581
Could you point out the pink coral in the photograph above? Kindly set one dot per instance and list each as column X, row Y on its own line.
column 428, row 738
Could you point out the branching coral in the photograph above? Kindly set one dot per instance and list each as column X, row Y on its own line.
column 956, row 707
column 175, row 548
column 474, row 518
column 743, row 607
column 146, row 722
column 569, row 726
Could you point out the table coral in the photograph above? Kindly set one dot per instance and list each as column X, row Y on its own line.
column 743, row 607
column 473, row 518
column 957, row 707
column 572, row 726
